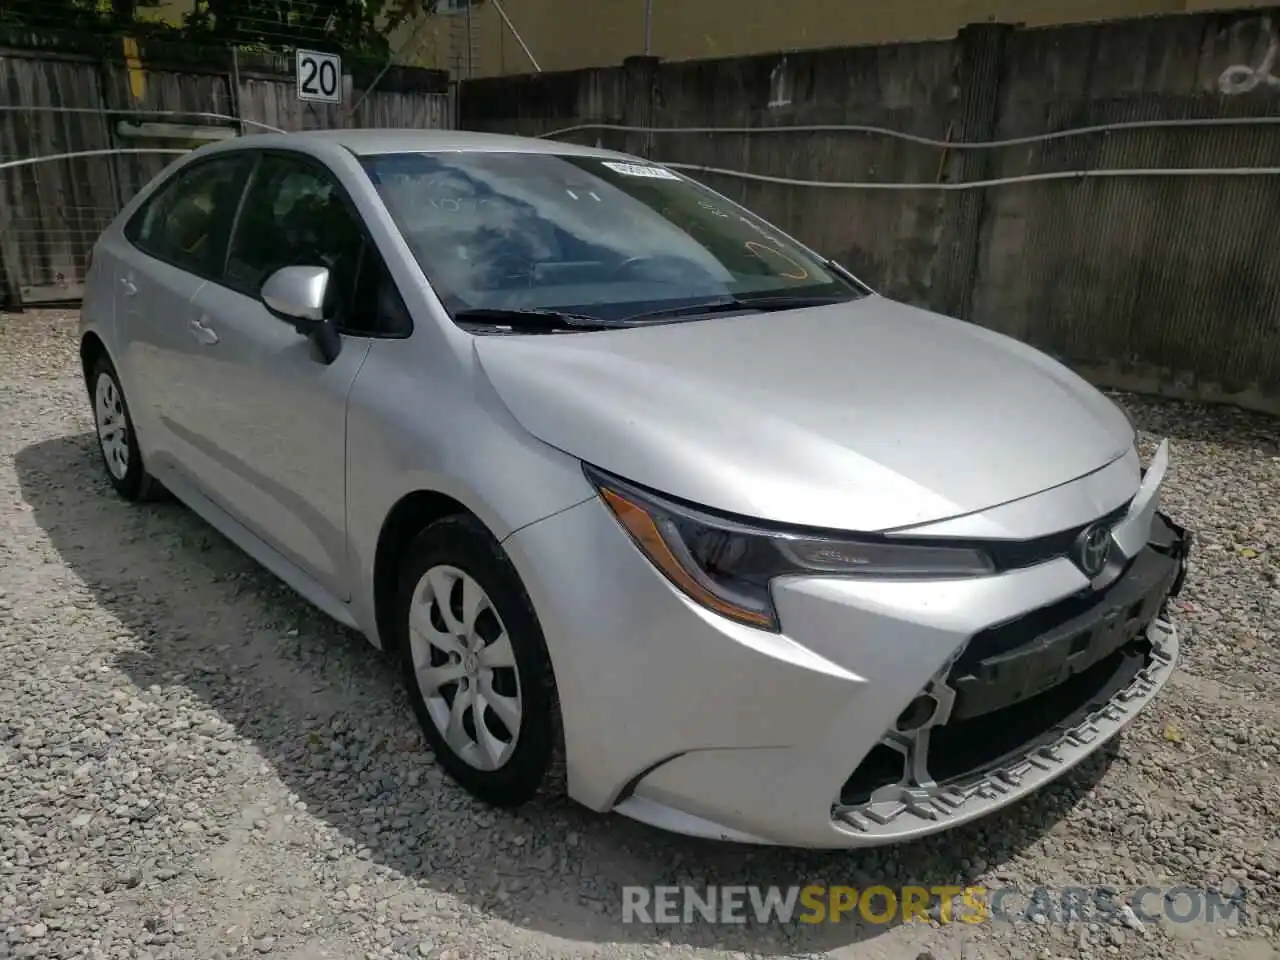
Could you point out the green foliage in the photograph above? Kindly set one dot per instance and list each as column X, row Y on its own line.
column 356, row 27
column 83, row 15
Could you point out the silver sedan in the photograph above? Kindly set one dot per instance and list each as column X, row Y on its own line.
column 637, row 490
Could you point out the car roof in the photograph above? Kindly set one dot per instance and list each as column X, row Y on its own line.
column 369, row 142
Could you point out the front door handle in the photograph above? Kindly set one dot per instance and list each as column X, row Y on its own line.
column 130, row 288
column 202, row 332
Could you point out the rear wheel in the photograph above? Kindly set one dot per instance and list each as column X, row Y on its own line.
column 475, row 663
column 117, row 440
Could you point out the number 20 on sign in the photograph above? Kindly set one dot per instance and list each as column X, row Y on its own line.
column 319, row 77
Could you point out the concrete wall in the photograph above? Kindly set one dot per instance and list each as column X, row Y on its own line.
column 1159, row 283
column 572, row 34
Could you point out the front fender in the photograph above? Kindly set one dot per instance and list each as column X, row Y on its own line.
column 410, row 431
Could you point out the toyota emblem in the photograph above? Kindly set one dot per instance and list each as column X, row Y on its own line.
column 1093, row 550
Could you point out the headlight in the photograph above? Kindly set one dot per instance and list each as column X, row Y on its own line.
column 727, row 565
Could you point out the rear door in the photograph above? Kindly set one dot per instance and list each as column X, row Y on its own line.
column 172, row 245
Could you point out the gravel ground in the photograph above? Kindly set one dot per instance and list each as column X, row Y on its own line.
column 195, row 764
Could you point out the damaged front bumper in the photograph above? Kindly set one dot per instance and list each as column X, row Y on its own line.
column 1024, row 702
column 887, row 708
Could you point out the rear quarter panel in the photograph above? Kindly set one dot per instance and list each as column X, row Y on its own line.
column 97, row 309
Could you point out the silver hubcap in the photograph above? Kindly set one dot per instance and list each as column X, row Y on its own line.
column 113, row 428
column 465, row 667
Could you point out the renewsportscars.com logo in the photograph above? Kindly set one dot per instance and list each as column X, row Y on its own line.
column 817, row 903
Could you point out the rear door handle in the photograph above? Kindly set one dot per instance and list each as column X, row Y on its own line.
column 202, row 332
column 130, row 288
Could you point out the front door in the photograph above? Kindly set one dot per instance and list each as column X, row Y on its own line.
column 272, row 418
column 271, row 431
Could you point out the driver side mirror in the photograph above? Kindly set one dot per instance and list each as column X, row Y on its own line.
column 297, row 296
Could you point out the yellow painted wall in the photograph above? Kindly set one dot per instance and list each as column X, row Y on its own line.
column 571, row 34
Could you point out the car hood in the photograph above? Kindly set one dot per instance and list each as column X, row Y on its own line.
column 869, row 415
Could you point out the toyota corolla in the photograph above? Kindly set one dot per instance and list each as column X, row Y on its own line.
column 636, row 488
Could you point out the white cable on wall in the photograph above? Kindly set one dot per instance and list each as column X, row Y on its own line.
column 810, row 128
column 927, row 141
column 197, row 114
column 977, row 184
column 951, row 145
column 792, row 182
column 26, row 161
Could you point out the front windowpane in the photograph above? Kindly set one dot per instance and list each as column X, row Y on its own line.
column 294, row 215
column 495, row 230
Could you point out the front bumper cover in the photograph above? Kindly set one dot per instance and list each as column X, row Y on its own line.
column 679, row 718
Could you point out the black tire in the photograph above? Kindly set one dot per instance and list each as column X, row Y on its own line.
column 136, row 484
column 536, row 760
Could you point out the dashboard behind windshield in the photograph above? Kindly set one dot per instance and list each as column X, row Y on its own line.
column 592, row 236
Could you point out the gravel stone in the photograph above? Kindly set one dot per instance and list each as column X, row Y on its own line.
column 194, row 763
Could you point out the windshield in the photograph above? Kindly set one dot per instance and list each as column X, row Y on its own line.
column 595, row 237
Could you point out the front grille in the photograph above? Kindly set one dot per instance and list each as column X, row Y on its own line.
column 1015, row 554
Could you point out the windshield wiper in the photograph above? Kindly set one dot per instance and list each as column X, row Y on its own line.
column 763, row 304
column 532, row 319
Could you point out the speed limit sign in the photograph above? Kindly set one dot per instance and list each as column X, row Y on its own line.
column 319, row 77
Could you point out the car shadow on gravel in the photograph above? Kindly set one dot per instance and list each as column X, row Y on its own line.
column 326, row 712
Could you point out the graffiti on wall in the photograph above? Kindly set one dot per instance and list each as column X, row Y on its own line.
column 1242, row 78
column 779, row 86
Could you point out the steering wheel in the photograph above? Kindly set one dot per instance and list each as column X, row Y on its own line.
column 505, row 268
column 672, row 266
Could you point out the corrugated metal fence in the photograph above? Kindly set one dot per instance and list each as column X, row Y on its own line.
column 101, row 95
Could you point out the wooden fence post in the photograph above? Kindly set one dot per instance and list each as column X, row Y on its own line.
column 639, row 91
column 10, row 282
column 979, row 71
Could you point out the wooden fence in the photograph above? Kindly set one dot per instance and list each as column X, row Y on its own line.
column 70, row 95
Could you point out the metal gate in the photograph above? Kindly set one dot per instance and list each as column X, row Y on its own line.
column 80, row 135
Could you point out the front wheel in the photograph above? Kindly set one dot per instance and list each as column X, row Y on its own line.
column 117, row 439
column 475, row 663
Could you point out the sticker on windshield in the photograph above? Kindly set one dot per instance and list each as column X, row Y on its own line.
column 640, row 170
